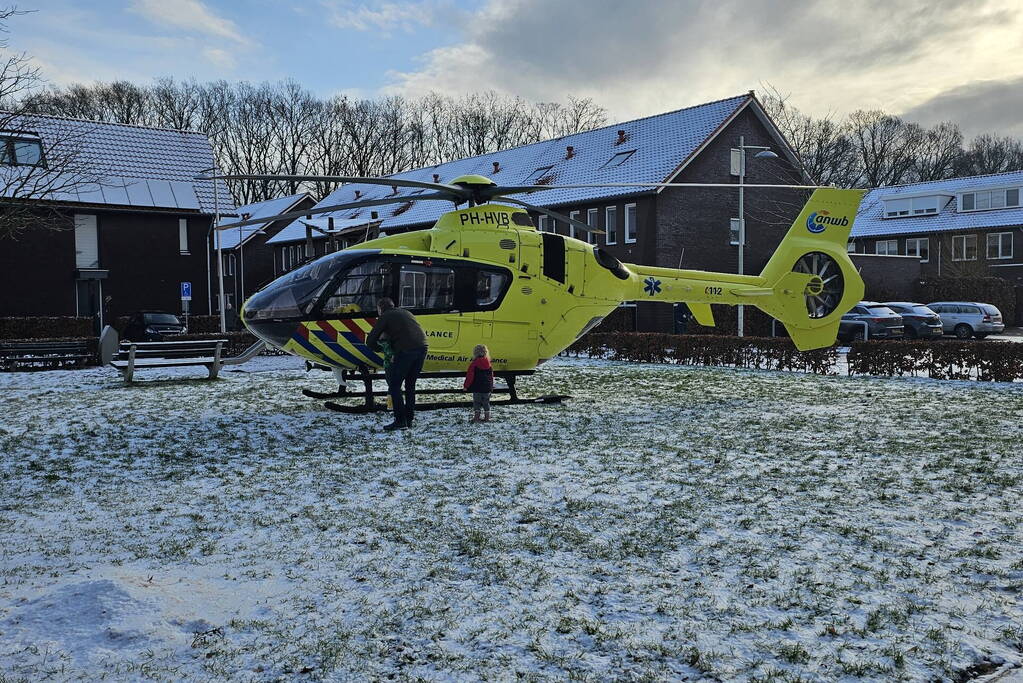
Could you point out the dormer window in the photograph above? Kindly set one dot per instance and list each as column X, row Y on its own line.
column 989, row 199
column 913, row 206
column 619, row 158
column 21, row 151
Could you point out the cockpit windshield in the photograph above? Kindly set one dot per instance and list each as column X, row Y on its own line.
column 294, row 294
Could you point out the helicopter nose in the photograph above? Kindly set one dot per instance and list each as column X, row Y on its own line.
column 275, row 333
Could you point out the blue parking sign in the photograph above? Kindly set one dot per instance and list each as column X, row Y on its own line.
column 186, row 291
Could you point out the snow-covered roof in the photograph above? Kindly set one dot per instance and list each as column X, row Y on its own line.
column 229, row 239
column 136, row 166
column 660, row 145
column 295, row 231
column 870, row 220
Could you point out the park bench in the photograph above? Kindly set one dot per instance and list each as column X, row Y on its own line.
column 167, row 354
column 43, row 355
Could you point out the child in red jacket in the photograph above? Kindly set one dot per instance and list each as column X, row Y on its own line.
column 479, row 379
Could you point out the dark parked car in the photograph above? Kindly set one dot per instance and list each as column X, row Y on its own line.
column 968, row 319
column 919, row 321
column 882, row 322
column 152, row 326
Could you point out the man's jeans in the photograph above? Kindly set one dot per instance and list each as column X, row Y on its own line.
column 405, row 368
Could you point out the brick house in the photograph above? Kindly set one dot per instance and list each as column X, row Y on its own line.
column 960, row 227
column 124, row 235
column 696, row 227
column 247, row 260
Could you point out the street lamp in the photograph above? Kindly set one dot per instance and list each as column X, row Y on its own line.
column 764, row 153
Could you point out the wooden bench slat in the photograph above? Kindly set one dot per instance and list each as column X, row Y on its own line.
column 160, row 362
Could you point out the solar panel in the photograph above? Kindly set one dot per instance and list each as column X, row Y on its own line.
column 184, row 195
column 114, row 192
column 90, row 193
column 162, row 194
column 138, row 192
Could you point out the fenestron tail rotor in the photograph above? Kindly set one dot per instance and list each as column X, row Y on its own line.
column 823, row 293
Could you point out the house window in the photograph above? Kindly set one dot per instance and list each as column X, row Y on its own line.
column 964, row 247
column 537, row 174
column 850, row 247
column 999, row 245
column 887, row 247
column 630, row 223
column 183, row 236
column 611, row 225
column 989, row 199
column 575, row 215
column 541, row 224
column 229, row 264
column 86, row 242
column 619, row 158
column 230, row 301
column 591, row 220
column 919, row 247
column 15, row 151
column 913, row 206
column 733, row 232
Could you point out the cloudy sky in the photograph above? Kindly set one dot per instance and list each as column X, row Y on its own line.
column 931, row 60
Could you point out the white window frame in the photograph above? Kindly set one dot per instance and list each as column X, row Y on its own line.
column 574, row 215
column 611, row 224
column 542, row 223
column 591, row 220
column 635, row 226
column 850, row 247
column 87, row 254
column 913, row 245
column 962, row 251
column 1002, row 254
column 988, row 199
column 888, row 250
column 896, row 208
column 733, row 231
column 183, row 237
column 229, row 264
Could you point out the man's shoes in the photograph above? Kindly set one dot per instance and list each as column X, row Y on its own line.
column 394, row 426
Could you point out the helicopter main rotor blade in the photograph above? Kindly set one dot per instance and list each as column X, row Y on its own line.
column 553, row 214
column 390, row 182
column 291, row 215
column 515, row 189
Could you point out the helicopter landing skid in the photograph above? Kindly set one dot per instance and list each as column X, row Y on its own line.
column 368, row 393
column 439, row 405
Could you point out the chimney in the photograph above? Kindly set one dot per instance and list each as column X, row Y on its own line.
column 497, row 167
column 436, row 177
column 373, row 215
column 569, row 152
column 358, row 193
column 621, row 137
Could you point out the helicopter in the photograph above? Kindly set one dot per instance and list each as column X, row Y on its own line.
column 485, row 274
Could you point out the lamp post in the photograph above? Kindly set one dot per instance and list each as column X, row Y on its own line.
column 764, row 153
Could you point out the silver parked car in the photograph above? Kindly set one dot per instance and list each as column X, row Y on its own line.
column 968, row 319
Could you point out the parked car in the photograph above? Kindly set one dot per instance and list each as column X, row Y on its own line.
column 968, row 319
column 146, row 326
column 882, row 322
column 919, row 322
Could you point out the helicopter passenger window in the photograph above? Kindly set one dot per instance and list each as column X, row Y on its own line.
column 489, row 287
column 359, row 289
column 427, row 287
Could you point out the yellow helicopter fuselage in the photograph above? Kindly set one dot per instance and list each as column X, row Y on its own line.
column 552, row 289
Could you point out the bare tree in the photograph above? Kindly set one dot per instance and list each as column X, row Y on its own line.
column 990, row 154
column 938, row 151
column 41, row 159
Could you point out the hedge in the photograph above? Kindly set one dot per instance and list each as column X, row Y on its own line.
column 978, row 360
column 49, row 328
column 764, row 353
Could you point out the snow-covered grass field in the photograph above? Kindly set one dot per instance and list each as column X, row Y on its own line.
column 668, row 522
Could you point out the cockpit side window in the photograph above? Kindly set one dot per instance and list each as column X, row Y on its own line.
column 359, row 289
column 426, row 288
column 490, row 285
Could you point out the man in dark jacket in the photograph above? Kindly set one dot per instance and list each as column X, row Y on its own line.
column 408, row 341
